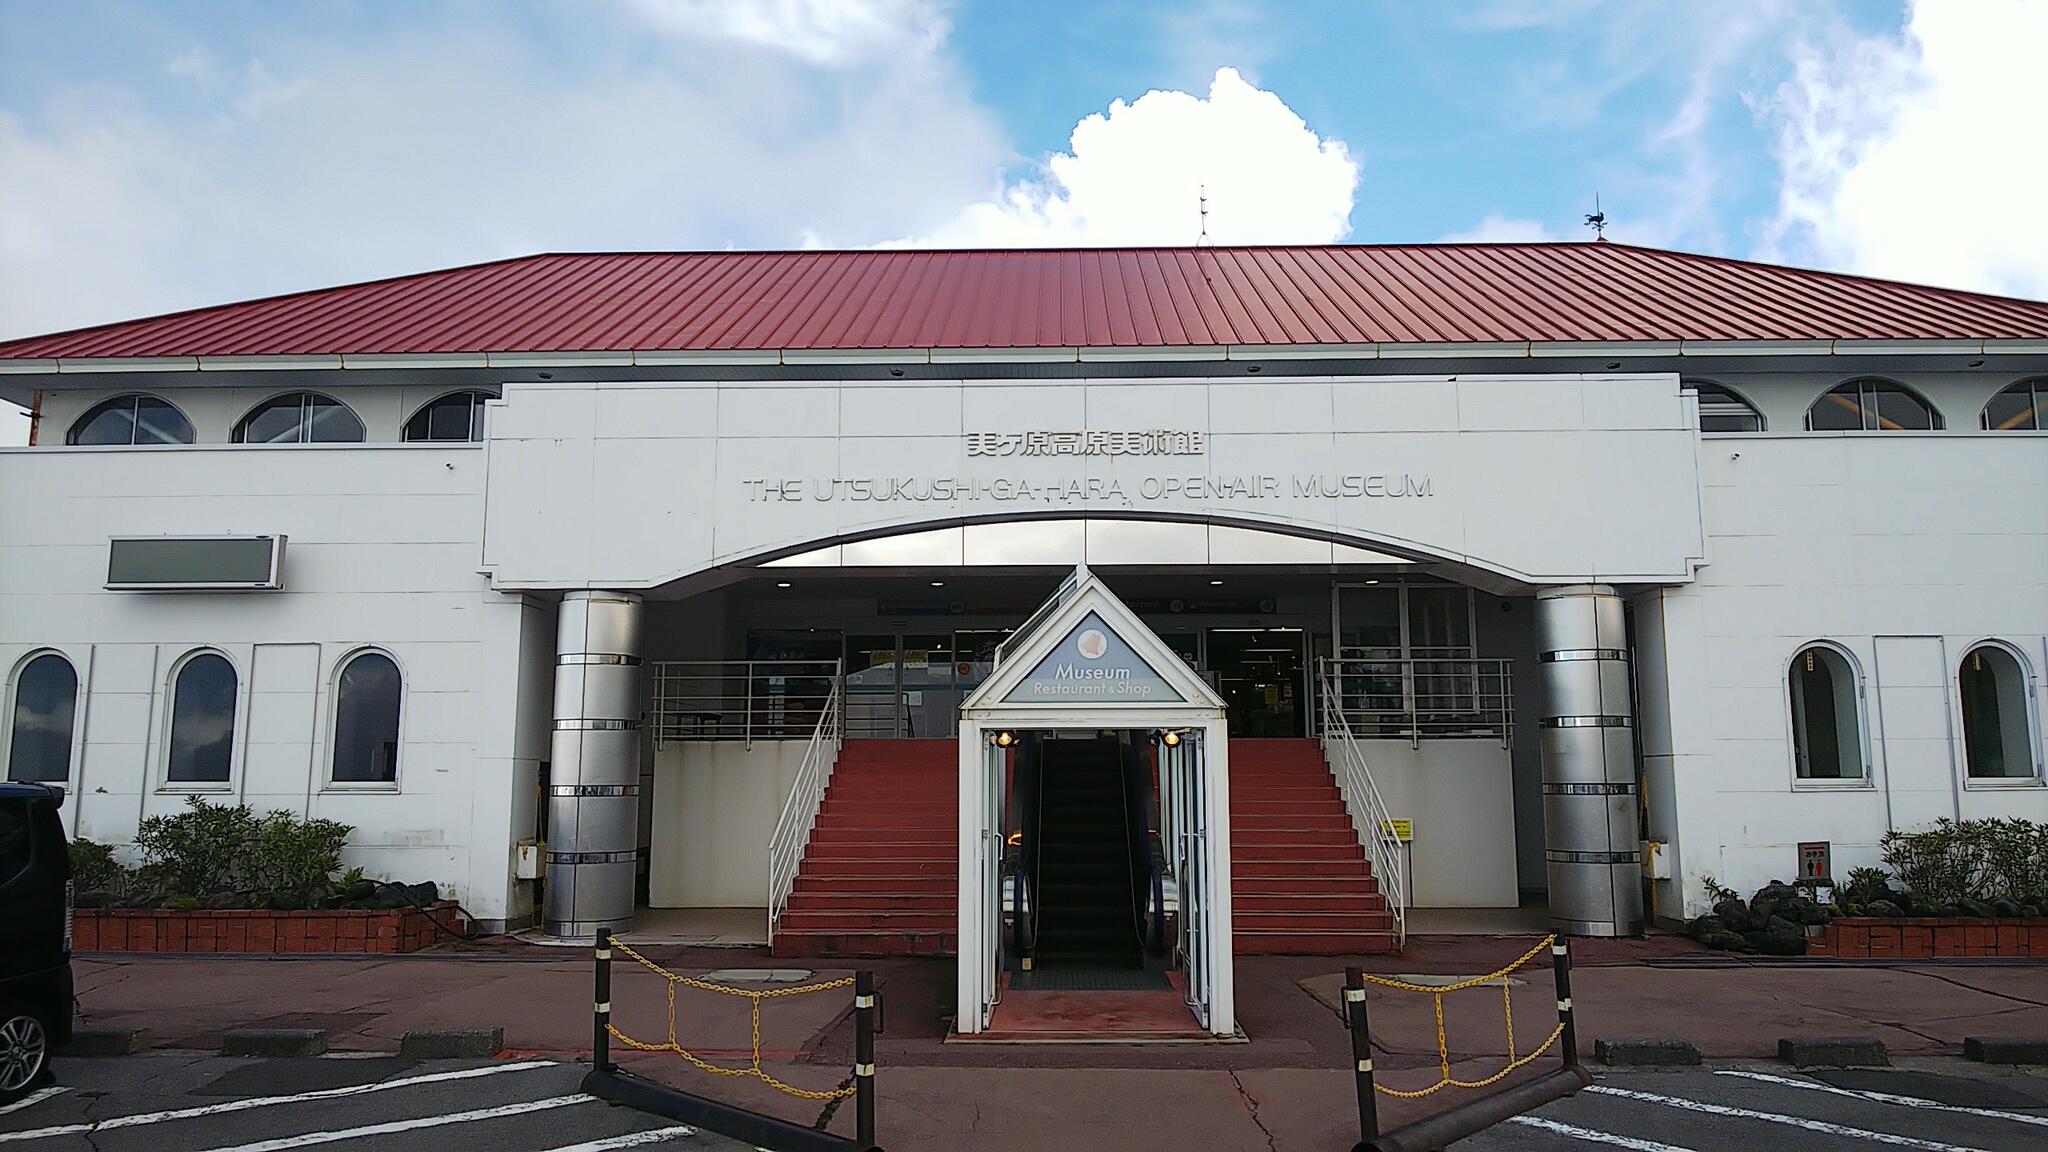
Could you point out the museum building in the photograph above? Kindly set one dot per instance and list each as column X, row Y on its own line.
column 1064, row 609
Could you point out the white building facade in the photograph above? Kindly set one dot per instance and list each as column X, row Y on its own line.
column 1615, row 593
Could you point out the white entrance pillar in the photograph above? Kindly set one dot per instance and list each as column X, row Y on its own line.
column 594, row 777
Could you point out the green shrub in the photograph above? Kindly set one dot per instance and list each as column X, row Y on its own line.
column 194, row 852
column 212, row 850
column 94, row 869
column 1959, row 860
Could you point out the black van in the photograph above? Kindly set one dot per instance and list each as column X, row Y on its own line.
column 35, row 911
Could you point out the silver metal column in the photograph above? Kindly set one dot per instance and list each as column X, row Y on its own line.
column 594, row 806
column 1591, row 841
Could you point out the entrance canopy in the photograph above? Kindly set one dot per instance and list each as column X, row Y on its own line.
column 1085, row 661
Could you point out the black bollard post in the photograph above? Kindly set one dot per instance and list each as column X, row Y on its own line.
column 865, row 1008
column 1361, row 1054
column 1561, row 966
column 600, row 1034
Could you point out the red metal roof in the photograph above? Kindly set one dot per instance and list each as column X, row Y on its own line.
column 1036, row 298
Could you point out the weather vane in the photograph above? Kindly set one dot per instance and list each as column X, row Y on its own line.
column 1597, row 220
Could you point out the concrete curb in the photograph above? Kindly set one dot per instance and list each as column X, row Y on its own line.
column 451, row 1043
column 1646, row 1053
column 99, row 1040
column 1833, row 1052
column 2006, row 1050
column 274, row 1042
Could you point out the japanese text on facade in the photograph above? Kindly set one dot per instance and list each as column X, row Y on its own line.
column 1148, row 443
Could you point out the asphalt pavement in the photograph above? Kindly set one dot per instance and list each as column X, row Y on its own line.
column 1755, row 1109
column 192, row 1102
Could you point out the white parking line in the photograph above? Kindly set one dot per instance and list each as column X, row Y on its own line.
column 1780, row 1118
column 1595, row 1135
column 38, row 1095
column 629, row 1140
column 388, row 1127
column 1888, row 1098
column 266, row 1101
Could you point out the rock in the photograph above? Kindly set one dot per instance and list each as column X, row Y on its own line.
column 92, row 900
column 2005, row 908
column 360, row 890
column 391, row 896
column 1734, row 914
column 1778, row 942
column 1977, row 908
column 2029, row 910
column 1883, row 908
column 1704, row 926
column 285, row 902
column 1725, row 940
column 425, row 892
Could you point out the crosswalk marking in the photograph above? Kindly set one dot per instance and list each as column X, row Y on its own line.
column 385, row 1129
column 1633, row 1143
column 1780, row 1118
column 629, row 1140
column 1889, row 1098
column 266, row 1101
column 34, row 1097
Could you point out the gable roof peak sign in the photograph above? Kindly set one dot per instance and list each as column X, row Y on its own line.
column 1086, row 648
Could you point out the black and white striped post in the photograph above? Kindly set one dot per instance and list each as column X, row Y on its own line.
column 1361, row 1055
column 1561, row 966
column 866, row 1017
column 600, row 1033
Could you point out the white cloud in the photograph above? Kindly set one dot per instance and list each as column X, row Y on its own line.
column 820, row 31
column 1497, row 229
column 1136, row 175
column 1916, row 155
column 437, row 140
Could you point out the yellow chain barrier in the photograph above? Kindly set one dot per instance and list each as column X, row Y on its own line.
column 1443, row 1046
column 678, row 980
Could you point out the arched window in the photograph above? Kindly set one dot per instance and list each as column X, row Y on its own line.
column 366, row 697
column 39, row 731
column 1871, row 405
column 2021, row 407
column 300, row 418
column 202, row 741
column 1827, row 725
column 457, row 416
column 1722, row 410
column 131, row 419
column 1998, row 738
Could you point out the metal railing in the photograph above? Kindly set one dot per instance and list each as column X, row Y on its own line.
column 800, row 811
column 1369, row 813
column 741, row 699
column 1432, row 698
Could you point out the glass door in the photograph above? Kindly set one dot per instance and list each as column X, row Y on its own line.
column 925, row 669
column 874, row 705
column 1184, row 833
column 1259, row 672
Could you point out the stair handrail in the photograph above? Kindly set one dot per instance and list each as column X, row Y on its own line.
column 1369, row 813
column 792, row 835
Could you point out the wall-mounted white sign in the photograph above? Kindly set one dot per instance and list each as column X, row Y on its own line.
column 1092, row 665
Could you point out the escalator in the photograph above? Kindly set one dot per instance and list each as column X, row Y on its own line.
column 1087, row 845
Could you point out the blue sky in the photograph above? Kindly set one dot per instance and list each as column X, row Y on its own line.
column 162, row 155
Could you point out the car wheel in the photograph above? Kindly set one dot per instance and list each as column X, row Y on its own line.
column 24, row 1054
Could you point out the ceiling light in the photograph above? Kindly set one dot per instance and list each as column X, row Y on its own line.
column 782, row 583
column 938, row 583
column 1215, row 583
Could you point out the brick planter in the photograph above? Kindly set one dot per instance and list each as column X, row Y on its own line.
column 1887, row 938
column 348, row 931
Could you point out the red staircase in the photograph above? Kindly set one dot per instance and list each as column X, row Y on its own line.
column 881, row 874
column 1299, row 879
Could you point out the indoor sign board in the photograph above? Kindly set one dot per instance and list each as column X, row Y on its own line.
column 1092, row 665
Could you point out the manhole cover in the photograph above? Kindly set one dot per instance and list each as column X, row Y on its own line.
column 759, row 975
column 1439, row 979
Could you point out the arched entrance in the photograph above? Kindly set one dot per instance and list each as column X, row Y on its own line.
column 1085, row 684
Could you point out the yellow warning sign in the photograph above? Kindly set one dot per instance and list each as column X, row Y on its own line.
column 1402, row 830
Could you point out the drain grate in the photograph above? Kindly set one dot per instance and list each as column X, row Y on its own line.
column 1088, row 980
